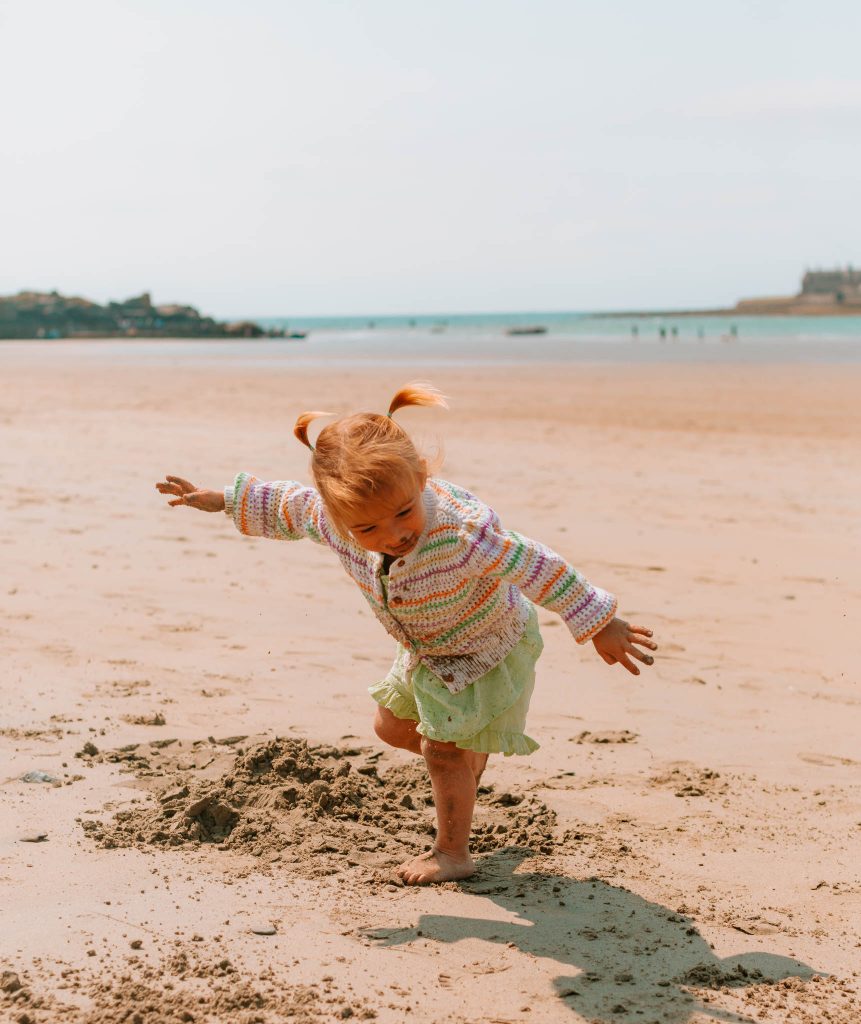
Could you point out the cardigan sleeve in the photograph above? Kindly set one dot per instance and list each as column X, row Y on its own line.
column 279, row 510
column 538, row 572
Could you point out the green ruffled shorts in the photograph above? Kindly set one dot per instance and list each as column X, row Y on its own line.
column 488, row 716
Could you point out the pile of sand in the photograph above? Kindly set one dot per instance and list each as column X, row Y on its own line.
column 322, row 808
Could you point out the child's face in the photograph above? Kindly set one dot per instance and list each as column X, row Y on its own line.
column 391, row 529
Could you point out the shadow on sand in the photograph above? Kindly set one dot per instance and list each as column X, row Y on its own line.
column 632, row 959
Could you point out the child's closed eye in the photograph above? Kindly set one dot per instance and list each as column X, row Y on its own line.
column 405, row 512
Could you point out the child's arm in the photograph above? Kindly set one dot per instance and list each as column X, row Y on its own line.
column 548, row 580
column 280, row 510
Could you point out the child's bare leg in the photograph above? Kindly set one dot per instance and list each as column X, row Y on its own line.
column 453, row 778
column 402, row 733
column 479, row 763
column 397, row 732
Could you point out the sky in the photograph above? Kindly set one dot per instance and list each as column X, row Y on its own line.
column 394, row 156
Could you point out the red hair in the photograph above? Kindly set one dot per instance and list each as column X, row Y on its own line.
column 367, row 457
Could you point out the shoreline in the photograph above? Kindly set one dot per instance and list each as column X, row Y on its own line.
column 790, row 310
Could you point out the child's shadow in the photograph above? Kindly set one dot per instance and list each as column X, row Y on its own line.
column 632, row 956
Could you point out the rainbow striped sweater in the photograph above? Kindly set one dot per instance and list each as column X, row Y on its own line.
column 457, row 600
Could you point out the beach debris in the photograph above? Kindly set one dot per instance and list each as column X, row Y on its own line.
column 757, row 925
column 609, row 736
column 33, row 837
column 89, row 749
column 157, row 718
column 136, row 943
column 262, row 928
column 39, row 776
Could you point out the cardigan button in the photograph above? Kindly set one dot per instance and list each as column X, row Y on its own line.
column 402, row 562
column 448, row 678
column 397, row 599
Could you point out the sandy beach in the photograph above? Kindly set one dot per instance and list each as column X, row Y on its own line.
column 683, row 848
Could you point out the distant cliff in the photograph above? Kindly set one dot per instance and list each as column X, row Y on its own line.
column 51, row 315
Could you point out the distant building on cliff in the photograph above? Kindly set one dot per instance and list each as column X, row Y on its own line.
column 831, row 285
column 822, row 292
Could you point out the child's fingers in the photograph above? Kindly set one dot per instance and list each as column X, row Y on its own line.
column 179, row 501
column 629, row 665
column 642, row 630
column 643, row 637
column 646, row 659
column 183, row 484
column 643, row 642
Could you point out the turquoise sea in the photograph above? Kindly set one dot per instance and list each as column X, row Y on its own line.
column 579, row 336
column 582, row 325
column 483, row 338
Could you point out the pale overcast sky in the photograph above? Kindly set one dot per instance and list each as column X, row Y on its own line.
column 374, row 156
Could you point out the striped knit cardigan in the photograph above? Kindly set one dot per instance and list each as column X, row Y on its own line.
column 456, row 600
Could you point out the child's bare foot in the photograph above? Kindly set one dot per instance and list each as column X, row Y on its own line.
column 435, row 866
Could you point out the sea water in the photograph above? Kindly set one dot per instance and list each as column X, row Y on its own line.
column 484, row 339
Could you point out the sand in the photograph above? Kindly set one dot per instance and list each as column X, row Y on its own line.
column 683, row 848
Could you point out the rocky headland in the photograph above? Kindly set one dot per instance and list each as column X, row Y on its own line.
column 51, row 315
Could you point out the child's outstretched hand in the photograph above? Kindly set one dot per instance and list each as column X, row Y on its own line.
column 188, row 494
column 616, row 642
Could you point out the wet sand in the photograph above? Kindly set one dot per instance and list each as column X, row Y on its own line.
column 682, row 848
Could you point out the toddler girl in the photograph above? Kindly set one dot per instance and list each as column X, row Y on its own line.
column 448, row 583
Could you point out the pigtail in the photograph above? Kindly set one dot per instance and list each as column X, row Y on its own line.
column 302, row 423
column 417, row 393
